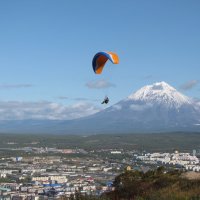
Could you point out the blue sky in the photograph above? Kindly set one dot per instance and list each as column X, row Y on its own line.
column 46, row 50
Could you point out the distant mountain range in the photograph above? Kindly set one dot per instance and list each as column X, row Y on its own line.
column 154, row 108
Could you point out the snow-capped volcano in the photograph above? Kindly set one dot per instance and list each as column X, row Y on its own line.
column 154, row 108
column 162, row 93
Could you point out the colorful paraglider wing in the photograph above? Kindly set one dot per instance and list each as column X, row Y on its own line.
column 100, row 60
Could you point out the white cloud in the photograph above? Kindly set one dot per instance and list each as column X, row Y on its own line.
column 99, row 84
column 78, row 99
column 11, row 110
column 189, row 85
column 63, row 97
column 138, row 107
column 14, row 86
column 148, row 77
column 117, row 107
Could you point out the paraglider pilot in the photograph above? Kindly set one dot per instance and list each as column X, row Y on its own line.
column 99, row 61
column 106, row 100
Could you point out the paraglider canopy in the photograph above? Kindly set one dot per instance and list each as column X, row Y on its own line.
column 100, row 60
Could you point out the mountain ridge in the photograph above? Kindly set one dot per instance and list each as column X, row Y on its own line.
column 153, row 108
